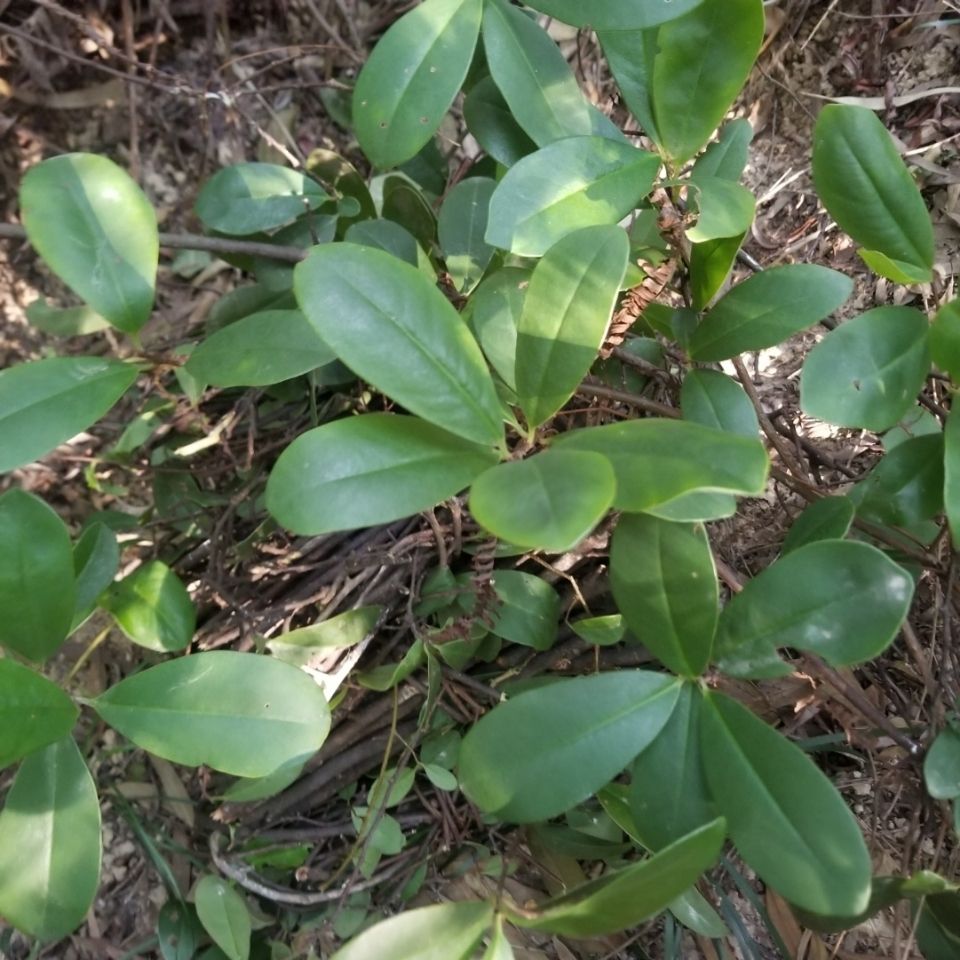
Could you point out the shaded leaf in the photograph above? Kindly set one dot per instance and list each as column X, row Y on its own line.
column 497, row 306
column 153, row 608
column 615, row 14
column 826, row 519
column 945, row 339
column 461, row 229
column 490, row 121
column 951, row 473
column 710, row 265
column 725, row 208
column 529, row 609
column 713, row 399
column 727, row 156
column 96, row 559
column 941, row 765
column 67, row 322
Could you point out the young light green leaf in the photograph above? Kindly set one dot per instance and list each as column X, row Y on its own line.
column 665, row 585
column 367, row 470
column 152, row 607
column 516, row 762
column 713, row 399
column 951, row 473
column 529, row 609
column 33, row 712
column 411, row 78
column 37, row 586
column 224, row 916
column 445, row 931
column 248, row 790
column 96, row 230
column 239, row 713
column 788, row 821
column 461, row 228
column 497, row 307
column 46, row 402
column 499, row 947
column 605, row 631
column 941, row 766
column 868, row 190
column 489, row 119
column 767, row 308
column 96, row 559
column 573, row 183
column 404, row 337
column 826, row 519
column 615, row 14
column 945, row 339
column 727, row 156
column 549, row 502
column 725, row 208
column 710, row 265
column 50, row 843
column 868, row 371
column 300, row 647
column 842, row 600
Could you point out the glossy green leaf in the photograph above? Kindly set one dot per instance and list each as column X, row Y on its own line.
column 388, row 236
column 404, row 337
column 565, row 316
column 301, row 647
column 868, row 190
column 548, row 502
column 445, row 931
column 258, row 350
column 658, row 460
column 715, row 400
column 665, row 585
column 726, row 157
column 96, row 230
column 868, row 371
column 529, row 609
column 710, row 265
column 605, row 631
column 842, row 600
column 366, row 470
column 33, row 712
column 826, row 519
column 625, row 897
column 945, row 339
column 46, row 402
column 941, row 766
column 631, row 55
column 516, row 762
column 411, row 78
column 951, row 473
column 405, row 202
column 153, row 608
column 788, row 821
column 50, row 843
column 767, row 308
column 461, row 229
column 573, row 183
column 239, row 713
column 342, row 177
column 490, row 121
column 615, row 14
column 224, row 916
column 253, row 197
column 37, row 586
column 96, row 559
column 497, row 306
column 725, row 208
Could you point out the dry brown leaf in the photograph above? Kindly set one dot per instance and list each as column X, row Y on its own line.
column 175, row 800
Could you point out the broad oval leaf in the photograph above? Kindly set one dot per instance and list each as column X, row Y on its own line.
column 868, row 371
column 788, row 821
column 489, row 119
column 461, row 228
column 46, row 402
column 50, row 843
column 253, row 197
column 445, row 931
column 37, row 585
column 767, row 308
column 842, row 600
column 868, row 190
column 259, row 350
column 412, row 77
column 615, row 14
column 529, row 609
column 496, row 308
column 665, row 585
column 96, row 559
column 603, row 631
column 516, row 763
column 33, row 712
column 945, row 339
column 713, row 399
column 224, row 916
column 565, row 186
column 96, row 230
column 659, row 460
column 239, row 713
column 725, row 208
column 549, row 502
column 565, row 316
column 727, row 156
column 941, row 765
column 301, row 646
column 367, row 470
column 826, row 519
column 393, row 327
column 153, row 608
column 389, row 236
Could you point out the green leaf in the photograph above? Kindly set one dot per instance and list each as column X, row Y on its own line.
column 516, row 763
column 259, row 350
column 941, row 766
column 573, row 183
column 239, row 713
column 248, row 790
column 868, row 371
column 411, row 78
column 461, row 229
column 497, row 306
column 631, row 55
column 404, row 202
column 696, row 507
column 37, row 586
column 445, row 931
column 726, row 209
column 224, row 916
column 710, row 265
column 625, row 897
column 529, row 609
column 301, row 647
column 178, row 931
column 499, row 947
column 404, row 337
column 368, row 470
column 388, row 236
column 490, row 121
column 335, row 172
column 788, row 821
column 951, row 473
column 727, row 156
column 938, row 927
column 615, row 14
column 33, row 712
column 152, row 607
column 68, row 322
column 253, row 197
column 842, row 600
column 945, row 339
column 50, row 843
column 658, row 460
column 715, row 400
column 767, row 308
column 868, row 190
column 46, row 402
column 388, row 675
column 96, row 230
column 665, row 585
column 96, row 559
column 605, row 631
column 826, row 519
column 549, row 502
